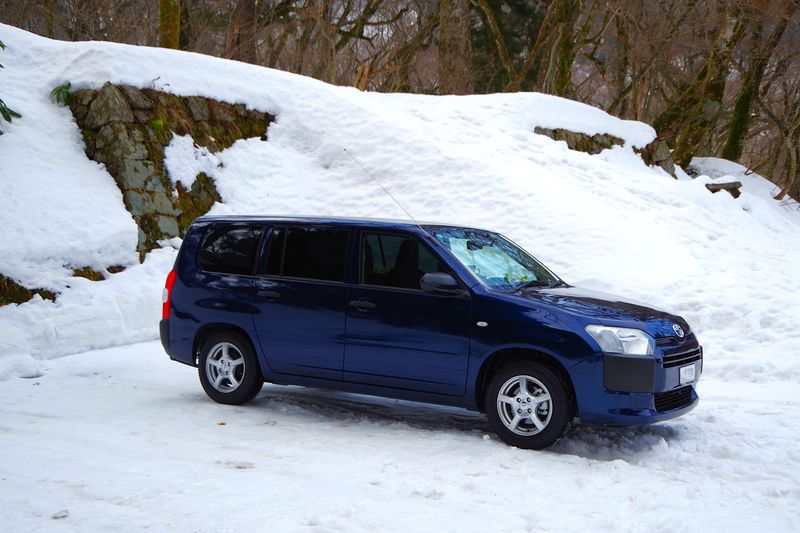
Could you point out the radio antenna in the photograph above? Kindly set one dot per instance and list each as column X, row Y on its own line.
column 395, row 200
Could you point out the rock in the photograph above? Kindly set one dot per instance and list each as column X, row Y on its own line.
column 139, row 203
column 154, row 184
column 88, row 273
column 83, row 97
column 143, row 116
column 168, row 226
column 733, row 187
column 12, row 292
column 118, row 144
column 198, row 108
column 582, row 142
column 222, row 111
column 88, row 142
column 79, row 112
column 109, row 134
column 657, row 153
column 142, row 241
column 136, row 98
column 108, row 106
column 163, row 204
column 63, row 513
column 134, row 173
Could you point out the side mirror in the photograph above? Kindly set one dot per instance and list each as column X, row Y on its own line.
column 438, row 282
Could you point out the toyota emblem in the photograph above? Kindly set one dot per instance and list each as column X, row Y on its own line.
column 678, row 330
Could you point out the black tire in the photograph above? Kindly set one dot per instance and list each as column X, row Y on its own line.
column 247, row 373
column 554, row 414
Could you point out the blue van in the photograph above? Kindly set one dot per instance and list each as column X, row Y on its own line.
column 425, row 312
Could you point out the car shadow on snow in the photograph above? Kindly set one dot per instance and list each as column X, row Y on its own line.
column 590, row 442
column 345, row 407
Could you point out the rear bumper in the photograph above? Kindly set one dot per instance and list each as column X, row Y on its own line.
column 629, row 390
column 163, row 331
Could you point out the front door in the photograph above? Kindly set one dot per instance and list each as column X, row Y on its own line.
column 300, row 299
column 398, row 335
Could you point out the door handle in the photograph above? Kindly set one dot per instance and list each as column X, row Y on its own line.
column 268, row 294
column 362, row 305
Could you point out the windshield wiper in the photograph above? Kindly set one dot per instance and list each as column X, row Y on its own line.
column 539, row 284
column 531, row 283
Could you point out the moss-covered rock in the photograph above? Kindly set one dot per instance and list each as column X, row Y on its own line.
column 12, row 292
column 88, row 273
column 196, row 201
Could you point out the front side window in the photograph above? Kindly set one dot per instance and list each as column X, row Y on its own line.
column 495, row 260
column 392, row 260
column 309, row 253
column 229, row 249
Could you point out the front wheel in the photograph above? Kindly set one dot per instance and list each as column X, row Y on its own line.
column 228, row 369
column 527, row 405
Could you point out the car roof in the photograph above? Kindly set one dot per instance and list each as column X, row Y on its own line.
column 345, row 221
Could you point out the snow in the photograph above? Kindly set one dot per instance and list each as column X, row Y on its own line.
column 123, row 439
column 123, row 436
column 185, row 160
column 724, row 171
column 87, row 315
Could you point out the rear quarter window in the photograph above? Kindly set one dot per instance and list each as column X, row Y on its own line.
column 229, row 249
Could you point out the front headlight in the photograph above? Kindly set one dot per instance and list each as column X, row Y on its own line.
column 622, row 340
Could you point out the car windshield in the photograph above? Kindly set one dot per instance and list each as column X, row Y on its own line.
column 496, row 261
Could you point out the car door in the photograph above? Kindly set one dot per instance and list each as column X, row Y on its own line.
column 300, row 297
column 397, row 334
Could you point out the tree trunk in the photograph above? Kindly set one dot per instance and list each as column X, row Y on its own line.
column 49, row 18
column 455, row 57
column 567, row 12
column 170, row 24
column 241, row 43
column 759, row 57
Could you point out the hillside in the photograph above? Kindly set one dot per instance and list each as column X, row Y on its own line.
column 119, row 435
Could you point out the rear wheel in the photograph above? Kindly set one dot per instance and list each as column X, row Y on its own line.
column 228, row 368
column 527, row 405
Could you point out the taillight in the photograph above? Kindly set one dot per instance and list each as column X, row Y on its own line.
column 166, row 295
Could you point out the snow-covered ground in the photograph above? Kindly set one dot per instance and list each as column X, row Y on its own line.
column 124, row 439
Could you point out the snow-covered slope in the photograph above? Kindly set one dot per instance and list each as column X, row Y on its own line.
column 606, row 222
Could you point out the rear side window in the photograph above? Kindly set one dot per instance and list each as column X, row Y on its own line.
column 229, row 249
column 310, row 253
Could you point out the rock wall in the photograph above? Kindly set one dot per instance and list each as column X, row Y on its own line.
column 127, row 129
column 591, row 144
column 654, row 154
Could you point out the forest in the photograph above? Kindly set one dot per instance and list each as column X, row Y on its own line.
column 713, row 77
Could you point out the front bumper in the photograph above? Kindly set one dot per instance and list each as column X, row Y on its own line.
column 633, row 390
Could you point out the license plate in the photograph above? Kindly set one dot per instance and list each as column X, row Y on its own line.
column 687, row 374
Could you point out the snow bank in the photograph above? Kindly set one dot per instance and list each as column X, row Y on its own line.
column 606, row 222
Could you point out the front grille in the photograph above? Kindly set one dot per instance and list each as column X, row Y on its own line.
column 674, row 399
column 683, row 358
